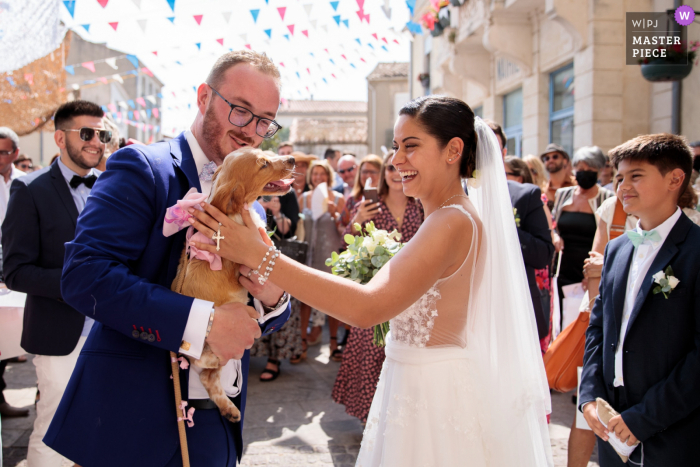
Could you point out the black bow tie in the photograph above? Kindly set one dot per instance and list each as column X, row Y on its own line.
column 89, row 181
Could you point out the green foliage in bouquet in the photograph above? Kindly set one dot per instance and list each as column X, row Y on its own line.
column 366, row 254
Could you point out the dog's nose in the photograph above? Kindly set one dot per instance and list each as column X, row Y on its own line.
column 290, row 161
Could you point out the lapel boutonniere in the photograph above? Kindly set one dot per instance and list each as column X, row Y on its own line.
column 666, row 282
column 517, row 217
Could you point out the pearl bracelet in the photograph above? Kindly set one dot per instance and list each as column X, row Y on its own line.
column 268, row 269
column 257, row 270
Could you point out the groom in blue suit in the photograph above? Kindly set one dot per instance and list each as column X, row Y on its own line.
column 119, row 407
column 643, row 343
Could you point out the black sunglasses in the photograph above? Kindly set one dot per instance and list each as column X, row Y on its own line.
column 342, row 171
column 86, row 134
column 554, row 157
column 240, row 116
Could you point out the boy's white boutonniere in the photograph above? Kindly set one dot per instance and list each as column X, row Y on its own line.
column 517, row 217
column 666, row 282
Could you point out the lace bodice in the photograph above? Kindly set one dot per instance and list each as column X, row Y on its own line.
column 439, row 317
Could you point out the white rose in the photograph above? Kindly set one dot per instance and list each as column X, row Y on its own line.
column 369, row 243
column 658, row 276
column 673, row 282
column 380, row 236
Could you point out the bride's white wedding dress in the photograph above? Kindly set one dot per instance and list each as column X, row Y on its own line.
column 463, row 383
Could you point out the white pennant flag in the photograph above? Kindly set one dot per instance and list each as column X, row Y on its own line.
column 117, row 78
column 325, row 28
column 142, row 24
column 244, row 38
column 112, row 62
column 308, row 8
column 226, row 15
column 137, row 3
column 151, row 99
column 313, row 24
column 122, row 104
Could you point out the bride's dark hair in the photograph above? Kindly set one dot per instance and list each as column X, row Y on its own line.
column 445, row 118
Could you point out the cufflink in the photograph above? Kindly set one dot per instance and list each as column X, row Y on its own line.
column 185, row 345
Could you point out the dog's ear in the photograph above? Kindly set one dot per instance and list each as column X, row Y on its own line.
column 228, row 196
column 216, row 173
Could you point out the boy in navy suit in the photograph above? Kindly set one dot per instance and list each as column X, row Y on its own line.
column 643, row 343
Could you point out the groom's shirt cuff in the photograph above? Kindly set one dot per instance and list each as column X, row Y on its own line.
column 196, row 328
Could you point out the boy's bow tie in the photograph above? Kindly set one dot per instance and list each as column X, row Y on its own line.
column 639, row 238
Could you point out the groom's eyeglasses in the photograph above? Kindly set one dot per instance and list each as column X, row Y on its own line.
column 86, row 134
column 240, row 116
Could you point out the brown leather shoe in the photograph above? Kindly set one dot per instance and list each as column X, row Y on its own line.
column 6, row 410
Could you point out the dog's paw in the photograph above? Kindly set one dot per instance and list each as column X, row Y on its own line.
column 231, row 413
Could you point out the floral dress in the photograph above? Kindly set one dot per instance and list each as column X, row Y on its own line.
column 357, row 378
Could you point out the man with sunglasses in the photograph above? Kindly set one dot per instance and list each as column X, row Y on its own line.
column 119, row 408
column 41, row 217
column 347, row 169
column 557, row 162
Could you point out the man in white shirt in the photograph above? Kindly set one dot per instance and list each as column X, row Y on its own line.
column 643, row 342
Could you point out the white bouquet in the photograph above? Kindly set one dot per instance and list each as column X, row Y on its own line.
column 366, row 254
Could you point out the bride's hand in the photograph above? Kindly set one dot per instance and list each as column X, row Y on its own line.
column 241, row 244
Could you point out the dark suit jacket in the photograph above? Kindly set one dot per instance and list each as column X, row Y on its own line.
column 535, row 242
column 119, row 406
column 661, row 359
column 41, row 218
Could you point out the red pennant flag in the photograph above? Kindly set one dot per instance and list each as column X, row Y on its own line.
column 396, row 41
column 173, row 93
column 141, row 101
column 343, row 55
column 147, row 71
column 360, row 14
column 291, row 29
column 282, row 64
column 361, row 4
column 29, row 78
column 326, row 51
column 89, row 65
column 155, row 52
column 198, row 19
column 334, row 76
column 375, row 36
column 308, row 71
column 112, row 107
column 305, row 32
column 282, row 10
column 114, row 25
column 220, row 41
column 103, row 79
column 362, row 59
column 249, row 47
column 103, row 3
column 155, row 112
column 384, row 39
column 307, row 88
column 367, row 18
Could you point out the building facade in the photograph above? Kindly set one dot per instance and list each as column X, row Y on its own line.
column 552, row 71
column 387, row 92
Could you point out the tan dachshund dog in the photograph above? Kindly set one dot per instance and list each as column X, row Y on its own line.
column 245, row 175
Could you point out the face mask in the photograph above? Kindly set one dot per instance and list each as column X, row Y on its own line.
column 586, row 178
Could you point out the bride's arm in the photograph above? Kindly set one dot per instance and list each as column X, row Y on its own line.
column 438, row 248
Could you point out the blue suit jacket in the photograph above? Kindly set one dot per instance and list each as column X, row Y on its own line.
column 661, row 354
column 119, row 406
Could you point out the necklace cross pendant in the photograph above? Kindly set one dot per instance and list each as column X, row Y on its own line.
column 218, row 237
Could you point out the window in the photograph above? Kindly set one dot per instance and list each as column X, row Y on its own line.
column 513, row 121
column 479, row 111
column 561, row 108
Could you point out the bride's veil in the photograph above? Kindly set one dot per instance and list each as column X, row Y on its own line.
column 501, row 330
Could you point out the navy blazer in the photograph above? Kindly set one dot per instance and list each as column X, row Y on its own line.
column 119, row 406
column 41, row 218
column 661, row 354
column 535, row 243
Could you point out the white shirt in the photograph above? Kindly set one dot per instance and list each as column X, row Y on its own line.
column 5, row 191
column 80, row 195
column 644, row 256
column 196, row 328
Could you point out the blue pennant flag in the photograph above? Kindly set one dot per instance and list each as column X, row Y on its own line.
column 346, row 23
column 105, row 109
column 415, row 28
column 171, row 19
column 298, row 75
column 133, row 72
column 131, row 103
column 194, row 88
column 411, row 4
column 324, row 80
column 331, row 60
column 384, row 47
column 199, row 45
column 269, row 33
column 255, row 14
column 148, row 112
column 134, row 60
column 358, row 41
column 178, row 62
column 312, row 54
column 189, row 106
column 70, row 6
column 157, row 128
column 267, row 2
column 70, row 69
column 353, row 65
column 131, row 115
column 286, row 36
column 370, row 45
column 171, row 3
column 11, row 81
column 335, row 5
column 159, row 95
column 337, row 19
column 86, row 27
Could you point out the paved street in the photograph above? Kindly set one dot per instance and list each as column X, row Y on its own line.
column 291, row 421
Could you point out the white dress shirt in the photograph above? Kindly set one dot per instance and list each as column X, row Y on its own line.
column 80, row 195
column 644, row 256
column 196, row 328
column 5, row 191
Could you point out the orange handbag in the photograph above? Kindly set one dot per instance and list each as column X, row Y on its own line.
column 565, row 355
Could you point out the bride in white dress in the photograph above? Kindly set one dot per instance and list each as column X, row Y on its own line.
column 463, row 383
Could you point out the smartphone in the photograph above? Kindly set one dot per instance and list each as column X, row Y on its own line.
column 371, row 195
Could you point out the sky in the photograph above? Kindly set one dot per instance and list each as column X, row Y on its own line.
column 324, row 49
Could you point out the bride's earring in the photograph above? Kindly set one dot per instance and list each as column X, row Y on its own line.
column 454, row 158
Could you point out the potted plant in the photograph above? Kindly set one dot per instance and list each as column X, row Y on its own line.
column 675, row 64
column 424, row 79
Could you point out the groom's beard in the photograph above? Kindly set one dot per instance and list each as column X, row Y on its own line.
column 213, row 132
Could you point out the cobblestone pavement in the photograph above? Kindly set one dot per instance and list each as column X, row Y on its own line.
column 291, row 421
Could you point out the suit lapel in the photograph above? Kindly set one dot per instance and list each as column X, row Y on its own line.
column 63, row 191
column 184, row 160
column 667, row 252
column 621, row 275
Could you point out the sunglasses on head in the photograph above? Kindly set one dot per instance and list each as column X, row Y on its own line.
column 342, row 171
column 86, row 134
column 554, row 157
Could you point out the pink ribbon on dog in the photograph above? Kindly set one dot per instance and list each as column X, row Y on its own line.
column 176, row 216
column 187, row 415
column 184, row 364
column 213, row 259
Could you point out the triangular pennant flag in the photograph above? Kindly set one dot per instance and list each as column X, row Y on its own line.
column 141, row 101
column 198, row 19
column 135, row 115
column 171, row 19
column 244, row 38
column 155, row 52
column 384, row 47
column 325, row 28
column 103, row 3
column 343, row 55
column 366, row 18
column 70, row 6
column 346, row 23
column 324, row 80
column 282, row 64
column 313, row 23
column 86, row 27
column 326, row 50
column 226, row 15
column 308, row 71
column 337, row 19
column 384, row 39
column 361, row 4
column 117, row 78
column 137, row 3
column 147, row 71
column 358, row 41
column 282, row 10
column 134, row 60
column 199, row 45
column 305, row 32
column 89, row 65
column 220, row 41
column 291, row 29
column 335, row 6
column 155, row 113
column 353, row 65
column 142, row 24
column 395, row 41
column 255, row 14
column 102, row 79
column 171, row 3
column 269, row 33
column 298, row 75
column 286, row 36
column 114, row 25
column 111, row 62
column 151, row 99
column 112, row 107
column 248, row 46
column 148, row 112
column 331, row 60
column 362, row 60
column 131, row 103
column 308, row 7
column 370, row 45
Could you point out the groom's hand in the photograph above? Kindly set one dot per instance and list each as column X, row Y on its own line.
column 618, row 425
column 234, row 330
column 590, row 413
